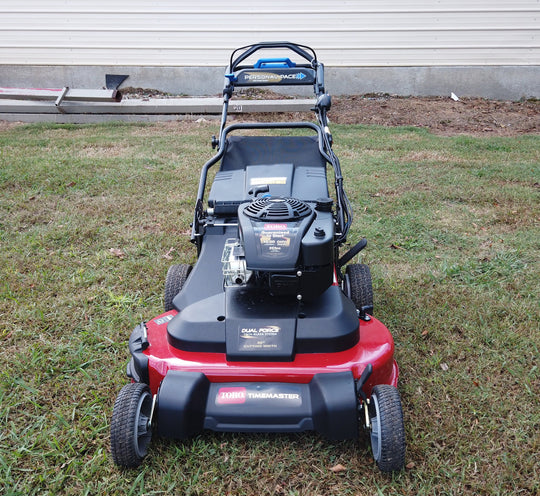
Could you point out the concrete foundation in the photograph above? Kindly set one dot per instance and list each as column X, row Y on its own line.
column 496, row 82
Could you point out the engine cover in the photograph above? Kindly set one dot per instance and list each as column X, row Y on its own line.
column 288, row 244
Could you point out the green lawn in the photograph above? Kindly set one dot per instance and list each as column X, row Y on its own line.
column 91, row 217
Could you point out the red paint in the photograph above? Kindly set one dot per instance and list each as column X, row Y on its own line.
column 376, row 346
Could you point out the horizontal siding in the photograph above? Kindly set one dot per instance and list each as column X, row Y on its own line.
column 344, row 33
column 243, row 22
column 234, row 6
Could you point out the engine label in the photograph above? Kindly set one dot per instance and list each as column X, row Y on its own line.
column 275, row 239
column 260, row 338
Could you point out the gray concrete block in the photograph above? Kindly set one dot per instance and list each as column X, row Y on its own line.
column 497, row 82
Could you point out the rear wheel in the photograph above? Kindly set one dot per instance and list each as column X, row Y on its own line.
column 358, row 286
column 174, row 282
column 387, row 431
column 130, row 425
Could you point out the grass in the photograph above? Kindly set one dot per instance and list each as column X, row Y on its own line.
column 92, row 216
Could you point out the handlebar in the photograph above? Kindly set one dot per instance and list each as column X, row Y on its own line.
column 274, row 71
column 307, row 53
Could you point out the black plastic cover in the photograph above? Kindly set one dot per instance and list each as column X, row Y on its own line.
column 241, row 151
column 181, row 404
column 206, row 277
column 290, row 165
column 318, row 243
column 327, row 404
column 327, row 324
column 258, row 326
column 187, row 403
column 231, row 188
column 137, row 368
column 200, row 326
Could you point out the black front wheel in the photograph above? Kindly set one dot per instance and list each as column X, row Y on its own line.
column 386, row 430
column 131, row 431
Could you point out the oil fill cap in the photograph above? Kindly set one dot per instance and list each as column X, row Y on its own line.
column 324, row 204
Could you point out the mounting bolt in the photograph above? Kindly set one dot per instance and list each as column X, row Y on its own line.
column 299, row 273
column 299, row 297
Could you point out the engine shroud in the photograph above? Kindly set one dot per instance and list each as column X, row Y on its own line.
column 288, row 244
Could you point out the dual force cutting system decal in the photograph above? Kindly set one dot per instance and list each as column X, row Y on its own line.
column 260, row 338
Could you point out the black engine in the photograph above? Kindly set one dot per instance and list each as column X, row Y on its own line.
column 286, row 246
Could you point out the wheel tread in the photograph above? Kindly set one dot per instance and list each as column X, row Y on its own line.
column 361, row 288
column 123, row 425
column 174, row 282
column 392, row 433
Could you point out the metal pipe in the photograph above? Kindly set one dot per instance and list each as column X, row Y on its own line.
column 72, row 95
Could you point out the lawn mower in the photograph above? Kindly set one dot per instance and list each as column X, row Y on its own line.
column 272, row 329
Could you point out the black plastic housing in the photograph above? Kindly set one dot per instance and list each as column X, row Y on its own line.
column 289, row 166
column 188, row 403
column 327, row 324
column 137, row 368
column 181, row 404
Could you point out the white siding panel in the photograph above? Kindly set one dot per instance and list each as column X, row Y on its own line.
column 294, row 22
column 220, row 6
column 372, row 58
column 349, row 41
column 344, row 33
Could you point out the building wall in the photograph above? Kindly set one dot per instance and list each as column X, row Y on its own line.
column 162, row 41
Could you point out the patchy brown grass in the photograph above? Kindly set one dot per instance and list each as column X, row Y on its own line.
column 87, row 238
